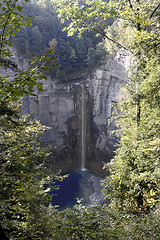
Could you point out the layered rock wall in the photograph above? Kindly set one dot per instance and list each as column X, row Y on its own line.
column 60, row 108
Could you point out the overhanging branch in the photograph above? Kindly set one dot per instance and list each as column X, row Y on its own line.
column 154, row 11
column 112, row 40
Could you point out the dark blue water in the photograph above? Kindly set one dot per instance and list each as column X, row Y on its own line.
column 68, row 191
column 78, row 185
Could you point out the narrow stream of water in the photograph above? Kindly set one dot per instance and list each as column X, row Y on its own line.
column 83, row 151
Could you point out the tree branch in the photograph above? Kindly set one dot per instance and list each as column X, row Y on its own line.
column 5, row 25
column 112, row 40
column 154, row 11
column 131, row 6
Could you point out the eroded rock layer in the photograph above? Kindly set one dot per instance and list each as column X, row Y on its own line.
column 61, row 106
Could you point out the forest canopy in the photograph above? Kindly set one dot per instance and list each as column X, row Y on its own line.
column 46, row 31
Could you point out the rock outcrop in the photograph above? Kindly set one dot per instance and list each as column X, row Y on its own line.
column 60, row 108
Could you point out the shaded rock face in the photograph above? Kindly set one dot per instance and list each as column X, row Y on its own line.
column 60, row 107
column 104, row 86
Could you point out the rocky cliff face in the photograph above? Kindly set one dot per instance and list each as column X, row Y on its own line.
column 104, row 86
column 60, row 107
column 79, row 102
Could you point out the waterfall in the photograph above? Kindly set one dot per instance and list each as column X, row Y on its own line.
column 83, row 135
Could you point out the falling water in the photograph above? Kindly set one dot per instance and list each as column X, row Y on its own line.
column 83, row 159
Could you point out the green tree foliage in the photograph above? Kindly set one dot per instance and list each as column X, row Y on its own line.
column 92, row 16
column 96, row 55
column 103, row 223
column 134, row 172
column 23, row 81
column 45, row 27
column 11, row 20
column 80, row 222
column 23, row 172
column 22, row 186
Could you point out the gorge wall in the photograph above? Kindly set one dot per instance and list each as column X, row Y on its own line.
column 77, row 109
